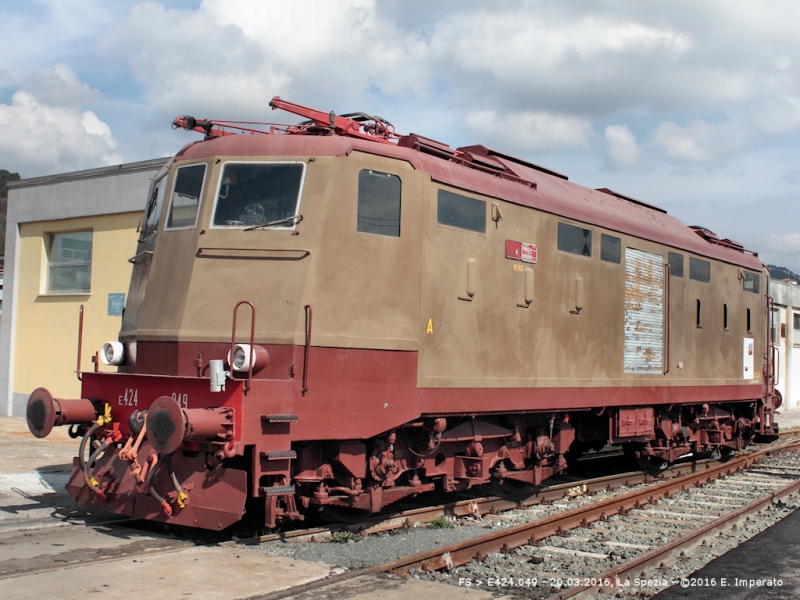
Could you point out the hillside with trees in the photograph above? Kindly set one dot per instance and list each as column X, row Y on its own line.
column 777, row 272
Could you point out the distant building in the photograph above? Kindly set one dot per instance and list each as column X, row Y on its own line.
column 786, row 338
column 68, row 241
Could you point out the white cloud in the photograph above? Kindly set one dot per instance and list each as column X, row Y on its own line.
column 622, row 150
column 530, row 130
column 60, row 86
column 39, row 139
column 227, row 59
column 780, row 115
column 700, row 141
column 782, row 249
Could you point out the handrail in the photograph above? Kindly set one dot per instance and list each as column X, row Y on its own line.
column 80, row 343
column 306, row 349
column 776, row 364
column 252, row 340
column 142, row 253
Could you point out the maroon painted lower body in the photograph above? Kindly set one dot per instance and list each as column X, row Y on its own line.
column 364, row 435
column 215, row 497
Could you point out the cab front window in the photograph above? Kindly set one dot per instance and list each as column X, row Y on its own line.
column 259, row 194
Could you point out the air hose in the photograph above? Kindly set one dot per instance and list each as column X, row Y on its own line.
column 182, row 496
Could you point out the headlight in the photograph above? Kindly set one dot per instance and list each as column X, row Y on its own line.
column 112, row 353
column 239, row 358
column 243, row 354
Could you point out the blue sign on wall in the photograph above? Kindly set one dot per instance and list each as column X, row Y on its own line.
column 116, row 302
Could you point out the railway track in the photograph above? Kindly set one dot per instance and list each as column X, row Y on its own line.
column 672, row 512
column 558, row 521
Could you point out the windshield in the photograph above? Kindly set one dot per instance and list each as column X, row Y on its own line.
column 252, row 194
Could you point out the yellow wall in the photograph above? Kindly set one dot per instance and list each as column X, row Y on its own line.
column 46, row 342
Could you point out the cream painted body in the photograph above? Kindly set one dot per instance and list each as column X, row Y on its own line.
column 556, row 323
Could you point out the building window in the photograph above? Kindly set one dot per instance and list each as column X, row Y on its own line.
column 610, row 248
column 378, row 203
column 461, row 211
column 699, row 270
column 675, row 264
column 575, row 240
column 186, row 197
column 797, row 322
column 69, row 262
column 750, row 282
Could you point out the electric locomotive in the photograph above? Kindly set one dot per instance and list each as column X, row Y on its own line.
column 331, row 315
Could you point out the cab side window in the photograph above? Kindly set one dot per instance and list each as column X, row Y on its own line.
column 575, row 240
column 378, row 203
column 460, row 211
column 186, row 197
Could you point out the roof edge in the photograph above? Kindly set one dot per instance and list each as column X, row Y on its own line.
column 142, row 165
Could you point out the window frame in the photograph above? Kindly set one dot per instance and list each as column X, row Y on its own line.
column 146, row 232
column 619, row 242
column 672, row 272
column 50, row 238
column 699, row 260
column 455, row 227
column 199, row 199
column 217, row 188
column 591, row 244
column 400, row 202
column 756, row 277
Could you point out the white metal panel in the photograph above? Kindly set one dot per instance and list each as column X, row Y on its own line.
column 644, row 312
column 794, row 386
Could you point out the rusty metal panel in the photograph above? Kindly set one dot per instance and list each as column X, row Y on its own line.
column 644, row 312
column 634, row 422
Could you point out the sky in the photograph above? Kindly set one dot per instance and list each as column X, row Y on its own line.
column 691, row 105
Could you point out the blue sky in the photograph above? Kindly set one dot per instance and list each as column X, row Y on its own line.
column 693, row 106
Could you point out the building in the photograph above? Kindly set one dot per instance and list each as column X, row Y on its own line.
column 68, row 241
column 786, row 340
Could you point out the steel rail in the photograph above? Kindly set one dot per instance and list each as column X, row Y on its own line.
column 529, row 533
column 476, row 506
column 435, row 559
column 658, row 555
column 481, row 506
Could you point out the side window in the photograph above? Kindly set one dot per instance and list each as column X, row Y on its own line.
column 152, row 212
column 186, row 197
column 610, row 248
column 69, row 262
column 575, row 240
column 378, row 203
column 699, row 270
column 460, row 211
column 675, row 264
column 750, row 282
column 253, row 194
